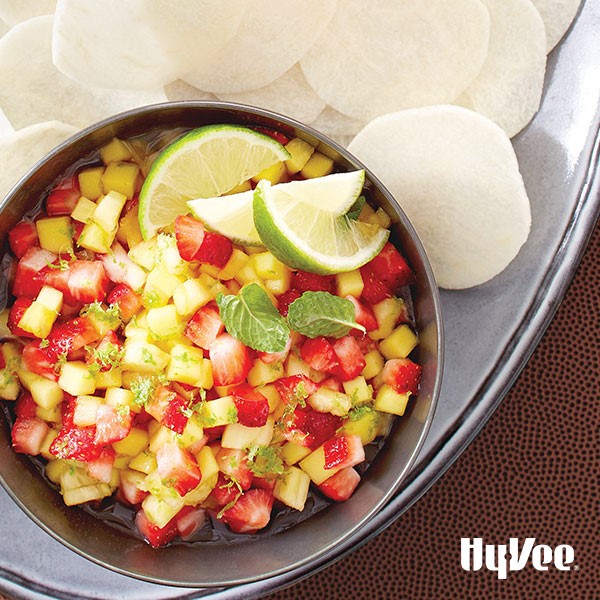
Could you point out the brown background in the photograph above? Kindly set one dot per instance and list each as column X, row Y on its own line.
column 532, row 472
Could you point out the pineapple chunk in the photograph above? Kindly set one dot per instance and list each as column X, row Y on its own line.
column 300, row 152
column 389, row 401
column 292, row 487
column 55, row 469
column 217, row 412
column 55, row 234
column 133, row 444
column 122, row 177
column 387, row 312
column 366, row 425
column 186, row 364
column 90, row 182
column 108, row 211
column 84, row 209
column 239, row 188
column 373, row 364
column 144, row 357
column 45, row 393
column 9, row 385
column 270, row 392
column 293, row 453
column 314, row 466
column 160, row 286
column 294, row 365
column 350, row 284
column 76, row 379
column 87, row 493
column 115, row 150
column 209, row 469
column 117, row 396
column 318, row 165
column 267, row 266
column 86, row 408
column 50, row 437
column 41, row 314
column 159, row 511
column 359, row 390
column 51, row 298
column 239, row 436
column 279, row 286
column 144, row 254
column 237, row 261
column 193, row 432
column 129, row 229
column 145, row 462
column 247, row 274
column 275, row 173
column 50, row 415
column 191, row 295
column 326, row 400
column 262, row 373
column 163, row 435
column 164, row 322
column 400, row 343
column 94, row 238
column 113, row 378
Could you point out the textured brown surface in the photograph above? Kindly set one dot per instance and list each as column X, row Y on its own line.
column 532, row 472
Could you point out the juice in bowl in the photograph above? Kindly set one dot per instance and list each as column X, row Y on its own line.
column 201, row 384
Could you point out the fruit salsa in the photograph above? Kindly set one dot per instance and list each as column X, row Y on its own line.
column 186, row 376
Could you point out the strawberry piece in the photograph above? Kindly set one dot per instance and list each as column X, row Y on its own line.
column 295, row 388
column 189, row 235
column 374, row 289
column 189, row 520
column 126, row 299
column 28, row 435
column 76, row 443
column 71, row 335
column 121, row 269
column 128, row 490
column 215, row 250
column 363, row 315
column 25, row 406
column 350, row 357
column 22, row 237
column 17, row 310
column 230, row 360
column 264, row 483
column 252, row 407
column 101, row 468
column 390, row 267
column 225, row 491
column 88, row 281
column 276, row 357
column 272, row 133
column 341, row 486
column 29, row 278
column 63, row 198
column 178, row 467
column 310, row 428
column 251, row 512
column 111, row 425
column 310, row 282
column 333, row 384
column 205, row 326
column 284, row 301
column 403, row 375
column 234, row 463
column 213, row 433
column 38, row 360
column 107, row 353
column 154, row 535
column 57, row 276
column 319, row 354
column 343, row 451
column 168, row 407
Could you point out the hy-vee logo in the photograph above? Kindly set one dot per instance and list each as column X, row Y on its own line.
column 474, row 555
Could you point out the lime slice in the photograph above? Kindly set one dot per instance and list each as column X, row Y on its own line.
column 232, row 216
column 304, row 236
column 206, row 162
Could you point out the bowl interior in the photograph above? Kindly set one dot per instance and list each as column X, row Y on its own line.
column 261, row 556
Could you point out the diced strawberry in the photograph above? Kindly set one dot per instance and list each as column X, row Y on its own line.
column 22, row 237
column 319, row 354
column 25, row 406
column 284, row 301
column 403, row 375
column 343, row 451
column 333, row 384
column 310, row 282
column 71, row 335
column 107, row 353
column 154, row 535
column 215, row 250
column 178, row 467
column 251, row 512
column 310, row 428
column 189, row 520
column 189, row 235
column 350, row 357
column 126, row 299
column 272, row 133
column 101, row 468
column 111, row 425
column 76, row 443
column 295, row 388
column 390, row 267
column 17, row 310
column 363, row 315
column 88, row 281
column 121, row 269
column 77, row 227
column 230, row 360
column 57, row 276
column 29, row 278
column 341, row 486
column 205, row 326
column 225, row 491
column 276, row 357
column 252, row 407
column 128, row 490
column 264, row 483
column 168, row 407
column 374, row 289
column 28, row 435
column 63, row 198
column 214, row 433
column 234, row 463
column 40, row 360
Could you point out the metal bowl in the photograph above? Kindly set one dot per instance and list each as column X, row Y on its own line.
column 261, row 556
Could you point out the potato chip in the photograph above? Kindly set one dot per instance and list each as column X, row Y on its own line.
column 385, row 55
column 180, row 90
column 557, row 16
column 272, row 37
column 456, row 176
column 15, row 11
column 508, row 89
column 290, row 95
column 21, row 150
column 130, row 44
column 33, row 90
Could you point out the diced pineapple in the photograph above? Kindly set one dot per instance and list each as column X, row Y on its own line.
column 50, row 415
column 90, row 182
column 237, row 261
column 279, row 286
column 209, row 269
column 164, row 322
column 275, row 173
column 38, row 319
column 247, row 274
column 144, row 357
column 86, row 493
column 350, row 283
column 239, row 188
column 158, row 511
column 115, row 150
column 366, row 426
column 117, row 396
column 293, row 453
column 267, row 266
column 217, row 412
column 113, row 378
column 314, row 466
column 326, row 400
column 122, row 177
column 132, row 477
column 129, row 232
column 84, row 210
column 45, row 393
column 270, row 392
column 144, row 253
column 389, row 401
column 108, row 211
column 145, row 462
column 190, row 295
column 239, row 436
column 186, row 364
column 76, row 379
column 55, row 469
column 94, row 238
column 209, row 469
column 294, row 365
column 55, row 234
column 163, row 435
column 159, row 287
column 51, row 298
column 50, row 437
column 300, row 151
column 366, row 213
column 400, row 343
column 9, row 385
column 387, row 312
column 167, row 255
column 86, row 408
column 262, row 373
column 292, row 487
column 318, row 165
column 373, row 364
column 359, row 390
column 133, row 444
column 193, row 432
column 380, row 218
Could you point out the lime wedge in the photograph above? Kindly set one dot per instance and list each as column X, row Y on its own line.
column 204, row 163
column 232, row 216
column 314, row 239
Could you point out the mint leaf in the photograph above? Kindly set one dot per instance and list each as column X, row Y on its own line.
column 321, row 313
column 355, row 210
column 251, row 318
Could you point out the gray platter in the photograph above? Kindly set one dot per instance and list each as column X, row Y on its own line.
column 490, row 332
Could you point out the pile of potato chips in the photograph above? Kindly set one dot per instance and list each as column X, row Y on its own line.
column 426, row 92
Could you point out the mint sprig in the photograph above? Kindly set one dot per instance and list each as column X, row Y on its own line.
column 250, row 317
column 317, row 314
